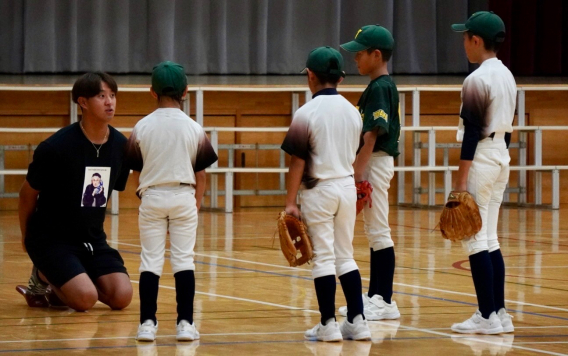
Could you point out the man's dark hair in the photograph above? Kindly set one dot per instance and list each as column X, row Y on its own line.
column 89, row 85
column 489, row 45
column 386, row 53
column 96, row 175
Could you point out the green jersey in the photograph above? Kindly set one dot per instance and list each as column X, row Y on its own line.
column 380, row 109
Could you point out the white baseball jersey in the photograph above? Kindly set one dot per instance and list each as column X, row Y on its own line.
column 488, row 105
column 167, row 146
column 326, row 133
column 488, row 99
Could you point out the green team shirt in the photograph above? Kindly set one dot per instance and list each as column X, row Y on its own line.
column 379, row 108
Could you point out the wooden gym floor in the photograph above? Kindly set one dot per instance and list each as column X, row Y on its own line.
column 249, row 302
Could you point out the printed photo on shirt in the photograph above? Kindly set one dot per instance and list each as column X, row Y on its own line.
column 95, row 193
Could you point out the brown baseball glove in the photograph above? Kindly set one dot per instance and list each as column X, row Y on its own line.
column 460, row 218
column 294, row 239
column 364, row 190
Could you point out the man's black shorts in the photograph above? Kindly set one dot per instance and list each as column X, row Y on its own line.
column 60, row 262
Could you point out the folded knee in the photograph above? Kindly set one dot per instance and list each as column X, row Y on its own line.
column 121, row 298
column 82, row 300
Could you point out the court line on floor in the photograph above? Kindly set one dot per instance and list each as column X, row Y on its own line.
column 411, row 328
column 522, row 327
column 508, row 267
column 542, row 342
column 157, row 336
column 284, row 333
column 396, row 283
column 397, row 292
column 232, row 259
column 409, row 286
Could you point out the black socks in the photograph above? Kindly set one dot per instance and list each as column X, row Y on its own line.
column 325, row 292
column 185, row 292
column 351, row 285
column 382, row 273
column 482, row 274
column 498, row 279
column 148, row 289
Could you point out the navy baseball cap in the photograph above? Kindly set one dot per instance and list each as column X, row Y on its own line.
column 485, row 24
column 325, row 60
column 168, row 78
column 371, row 36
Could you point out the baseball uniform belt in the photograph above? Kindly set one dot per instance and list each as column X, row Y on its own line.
column 498, row 136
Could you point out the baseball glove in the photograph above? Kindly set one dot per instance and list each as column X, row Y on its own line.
column 364, row 190
column 460, row 218
column 294, row 239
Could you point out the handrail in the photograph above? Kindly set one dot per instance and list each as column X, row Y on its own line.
column 281, row 129
column 285, row 169
column 274, row 88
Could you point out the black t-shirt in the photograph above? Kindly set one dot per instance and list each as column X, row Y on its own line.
column 75, row 185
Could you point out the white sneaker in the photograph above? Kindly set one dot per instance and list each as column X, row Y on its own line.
column 328, row 332
column 186, row 331
column 147, row 331
column 378, row 309
column 343, row 310
column 479, row 325
column 506, row 321
column 358, row 330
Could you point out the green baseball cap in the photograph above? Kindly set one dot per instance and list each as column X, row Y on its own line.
column 486, row 24
column 325, row 60
column 168, row 78
column 371, row 36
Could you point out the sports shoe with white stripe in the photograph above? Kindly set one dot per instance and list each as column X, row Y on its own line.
column 186, row 331
column 477, row 324
column 506, row 321
column 328, row 332
column 376, row 308
column 147, row 331
column 358, row 330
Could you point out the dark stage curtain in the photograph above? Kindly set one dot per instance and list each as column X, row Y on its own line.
column 537, row 36
column 222, row 36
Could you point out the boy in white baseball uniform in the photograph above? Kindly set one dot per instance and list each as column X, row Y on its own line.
column 171, row 152
column 486, row 123
column 323, row 140
column 379, row 109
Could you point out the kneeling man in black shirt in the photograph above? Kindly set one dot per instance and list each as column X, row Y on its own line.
column 63, row 203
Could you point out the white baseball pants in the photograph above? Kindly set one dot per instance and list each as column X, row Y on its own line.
column 166, row 207
column 329, row 211
column 379, row 173
column 487, row 180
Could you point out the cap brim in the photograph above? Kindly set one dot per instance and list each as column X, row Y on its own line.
column 459, row 27
column 354, row 46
